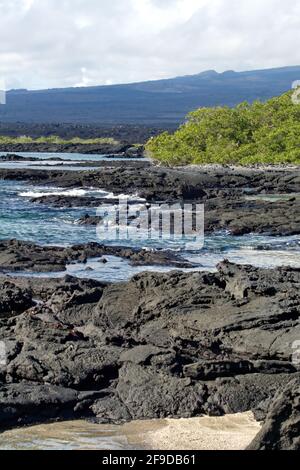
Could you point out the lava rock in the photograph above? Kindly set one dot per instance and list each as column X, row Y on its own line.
column 13, row 300
column 281, row 429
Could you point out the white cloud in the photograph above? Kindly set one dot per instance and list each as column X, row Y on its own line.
column 52, row 43
column 159, row 15
column 27, row 4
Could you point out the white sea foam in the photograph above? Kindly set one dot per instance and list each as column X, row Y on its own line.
column 261, row 259
column 40, row 192
column 52, row 163
column 64, row 192
column 118, row 197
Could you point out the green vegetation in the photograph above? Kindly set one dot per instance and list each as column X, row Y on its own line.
column 55, row 140
column 248, row 134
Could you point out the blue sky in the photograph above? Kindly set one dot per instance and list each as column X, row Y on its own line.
column 58, row 43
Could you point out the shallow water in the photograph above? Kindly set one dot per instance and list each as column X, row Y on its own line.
column 272, row 197
column 44, row 224
column 71, row 161
column 231, row 432
column 73, row 157
column 73, row 435
column 46, row 166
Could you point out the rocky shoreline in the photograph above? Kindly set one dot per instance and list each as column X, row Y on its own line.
column 167, row 184
column 234, row 198
column 111, row 160
column 24, row 256
column 124, row 149
column 238, row 215
column 159, row 345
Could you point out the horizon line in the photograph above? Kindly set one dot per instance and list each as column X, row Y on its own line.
column 151, row 80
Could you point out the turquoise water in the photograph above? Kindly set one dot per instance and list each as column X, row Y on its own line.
column 20, row 218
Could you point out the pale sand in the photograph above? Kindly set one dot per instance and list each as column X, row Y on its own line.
column 229, row 432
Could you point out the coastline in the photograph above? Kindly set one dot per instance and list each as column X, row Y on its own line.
column 230, row 432
column 159, row 344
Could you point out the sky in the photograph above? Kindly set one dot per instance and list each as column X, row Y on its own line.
column 61, row 43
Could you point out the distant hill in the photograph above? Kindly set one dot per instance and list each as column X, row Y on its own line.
column 161, row 102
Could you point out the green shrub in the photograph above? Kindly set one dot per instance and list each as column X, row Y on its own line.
column 53, row 139
column 259, row 133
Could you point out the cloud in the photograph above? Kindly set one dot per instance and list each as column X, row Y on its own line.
column 57, row 43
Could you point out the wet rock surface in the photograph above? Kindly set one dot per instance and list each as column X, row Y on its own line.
column 90, row 220
column 14, row 158
column 223, row 191
column 159, row 345
column 157, row 183
column 18, row 255
column 243, row 216
column 25, row 404
column 78, row 201
column 238, row 216
column 119, row 148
